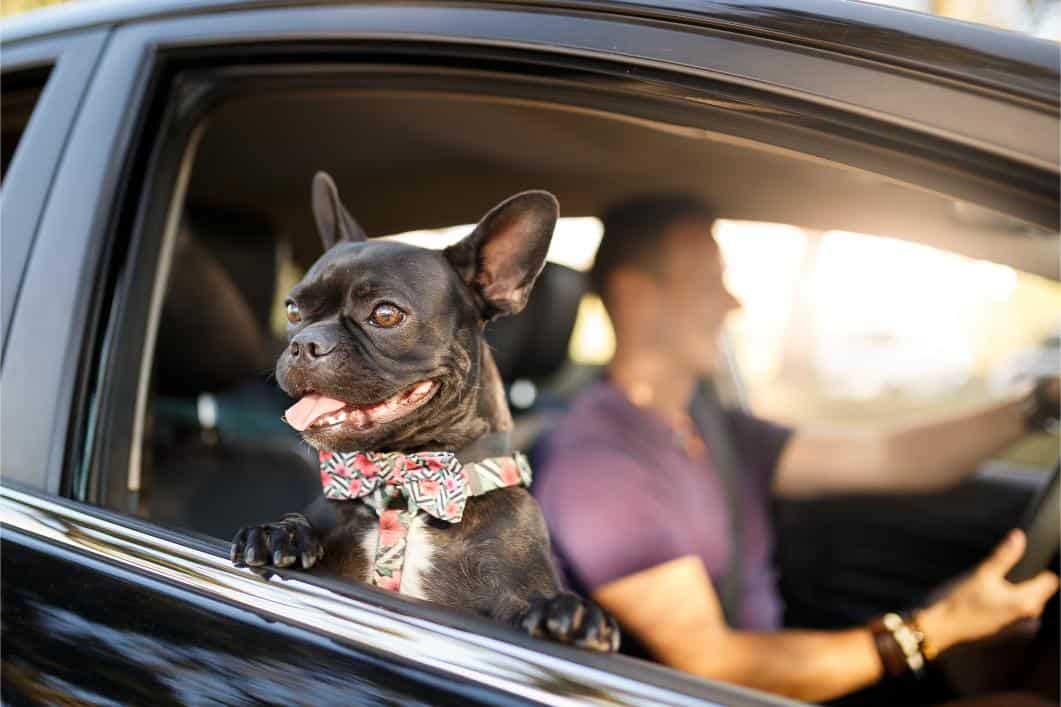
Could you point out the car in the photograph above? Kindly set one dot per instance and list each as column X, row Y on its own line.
column 155, row 201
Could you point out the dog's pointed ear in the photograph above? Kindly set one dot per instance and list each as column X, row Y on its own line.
column 334, row 222
column 503, row 256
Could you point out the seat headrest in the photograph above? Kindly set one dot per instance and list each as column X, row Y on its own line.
column 533, row 344
column 245, row 245
column 208, row 339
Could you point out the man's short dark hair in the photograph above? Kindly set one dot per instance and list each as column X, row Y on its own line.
column 632, row 228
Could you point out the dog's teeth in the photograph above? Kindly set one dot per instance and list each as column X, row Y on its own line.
column 363, row 418
column 330, row 420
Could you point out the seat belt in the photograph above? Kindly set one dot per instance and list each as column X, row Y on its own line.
column 710, row 420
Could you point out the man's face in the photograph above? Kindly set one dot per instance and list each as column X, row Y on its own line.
column 692, row 293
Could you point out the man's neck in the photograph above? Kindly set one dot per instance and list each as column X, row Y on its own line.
column 652, row 381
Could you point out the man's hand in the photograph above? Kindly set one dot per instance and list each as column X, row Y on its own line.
column 1042, row 412
column 986, row 602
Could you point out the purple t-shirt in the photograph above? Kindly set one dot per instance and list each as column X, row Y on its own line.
column 620, row 497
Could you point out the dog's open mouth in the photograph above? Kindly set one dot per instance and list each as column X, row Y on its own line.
column 316, row 411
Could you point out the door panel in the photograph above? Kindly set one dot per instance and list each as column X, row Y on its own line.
column 79, row 630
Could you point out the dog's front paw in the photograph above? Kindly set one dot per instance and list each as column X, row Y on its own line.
column 290, row 541
column 568, row 618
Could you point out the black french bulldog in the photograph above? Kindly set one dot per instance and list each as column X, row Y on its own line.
column 386, row 353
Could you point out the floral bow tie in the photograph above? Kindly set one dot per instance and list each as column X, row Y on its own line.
column 435, row 483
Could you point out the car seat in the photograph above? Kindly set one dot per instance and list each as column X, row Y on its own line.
column 219, row 456
column 531, row 351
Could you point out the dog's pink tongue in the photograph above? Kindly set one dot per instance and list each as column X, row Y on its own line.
column 302, row 414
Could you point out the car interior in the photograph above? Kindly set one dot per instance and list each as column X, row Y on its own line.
column 217, row 456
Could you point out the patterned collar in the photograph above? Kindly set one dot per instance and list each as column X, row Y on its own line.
column 435, row 483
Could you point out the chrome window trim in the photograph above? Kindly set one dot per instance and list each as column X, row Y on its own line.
column 507, row 666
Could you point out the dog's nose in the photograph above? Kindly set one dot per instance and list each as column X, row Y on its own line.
column 312, row 344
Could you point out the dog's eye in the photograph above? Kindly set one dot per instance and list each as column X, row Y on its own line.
column 386, row 316
column 293, row 315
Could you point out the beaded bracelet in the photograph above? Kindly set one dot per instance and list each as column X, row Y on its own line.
column 900, row 644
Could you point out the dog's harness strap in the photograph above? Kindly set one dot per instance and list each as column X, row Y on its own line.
column 435, row 483
column 494, row 444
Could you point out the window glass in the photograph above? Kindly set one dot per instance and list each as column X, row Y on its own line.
column 21, row 91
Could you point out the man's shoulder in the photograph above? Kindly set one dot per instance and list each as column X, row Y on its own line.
column 590, row 439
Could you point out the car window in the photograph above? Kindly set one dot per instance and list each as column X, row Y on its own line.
column 207, row 449
column 20, row 93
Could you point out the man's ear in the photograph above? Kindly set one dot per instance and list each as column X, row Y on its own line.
column 505, row 253
column 334, row 222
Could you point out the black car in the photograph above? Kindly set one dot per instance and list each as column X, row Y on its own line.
column 156, row 167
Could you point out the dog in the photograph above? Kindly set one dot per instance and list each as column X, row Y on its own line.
column 386, row 353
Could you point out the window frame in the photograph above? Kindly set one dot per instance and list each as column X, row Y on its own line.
column 41, row 378
column 143, row 281
column 70, row 61
column 192, row 64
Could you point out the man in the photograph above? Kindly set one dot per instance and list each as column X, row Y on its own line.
column 639, row 514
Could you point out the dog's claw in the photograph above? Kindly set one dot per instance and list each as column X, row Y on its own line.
column 282, row 558
column 286, row 543
column 235, row 553
column 568, row 618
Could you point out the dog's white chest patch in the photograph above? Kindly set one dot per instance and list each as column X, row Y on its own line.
column 419, row 553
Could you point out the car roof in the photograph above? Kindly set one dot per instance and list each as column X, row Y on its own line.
column 997, row 59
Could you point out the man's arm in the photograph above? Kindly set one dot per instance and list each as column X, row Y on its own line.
column 673, row 609
column 923, row 457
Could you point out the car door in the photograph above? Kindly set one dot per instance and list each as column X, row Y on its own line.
column 103, row 607
column 95, row 279
column 100, row 622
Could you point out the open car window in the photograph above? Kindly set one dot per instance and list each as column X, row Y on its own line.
column 834, row 321
column 209, row 450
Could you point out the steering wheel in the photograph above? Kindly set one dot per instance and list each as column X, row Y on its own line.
column 1042, row 524
column 1001, row 662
